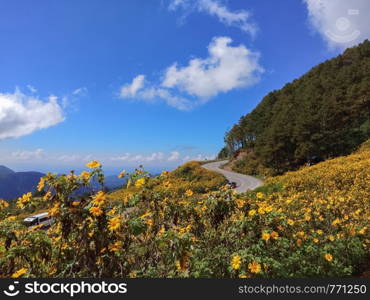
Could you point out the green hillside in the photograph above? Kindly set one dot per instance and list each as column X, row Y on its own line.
column 325, row 113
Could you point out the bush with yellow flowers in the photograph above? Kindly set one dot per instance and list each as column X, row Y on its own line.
column 188, row 223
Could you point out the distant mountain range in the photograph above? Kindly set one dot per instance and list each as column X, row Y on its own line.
column 15, row 184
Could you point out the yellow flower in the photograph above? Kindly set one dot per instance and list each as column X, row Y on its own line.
column 254, row 267
column 252, row 212
column 167, row 184
column 11, row 218
column 265, row 236
column 328, row 257
column 261, row 210
column 3, row 204
column 54, row 210
column 335, row 222
column 149, row 222
column 71, row 177
column 301, row 233
column 307, row 217
column 95, row 211
column 161, row 231
column 112, row 211
column 115, row 246
column 189, row 193
column 122, row 174
column 274, row 235
column 147, row 214
column 99, row 198
column 41, row 184
column 19, row 273
column 268, row 209
column 85, row 175
column 114, row 223
column 178, row 265
column 75, row 203
column 47, row 196
column 165, row 174
column 259, row 195
column 236, row 262
column 239, row 203
column 22, row 201
column 331, row 238
column 315, row 240
column 290, row 222
column 140, row 182
column 319, row 232
column 93, row 164
column 362, row 231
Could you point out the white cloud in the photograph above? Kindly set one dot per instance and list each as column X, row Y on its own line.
column 82, row 91
column 239, row 19
column 174, row 4
column 152, row 157
column 199, row 157
column 31, row 89
column 174, row 156
column 186, row 158
column 155, row 156
column 72, row 99
column 21, row 114
column 227, row 67
column 131, row 89
column 69, row 158
column 75, row 158
column 151, row 94
column 340, row 23
column 29, row 155
column 124, row 157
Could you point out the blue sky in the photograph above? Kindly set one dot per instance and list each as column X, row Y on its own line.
column 67, row 78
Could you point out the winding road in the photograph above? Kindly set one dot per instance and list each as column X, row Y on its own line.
column 243, row 182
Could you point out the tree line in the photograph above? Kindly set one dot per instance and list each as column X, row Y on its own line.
column 323, row 114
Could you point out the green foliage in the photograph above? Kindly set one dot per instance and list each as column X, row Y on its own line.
column 224, row 153
column 307, row 223
column 325, row 113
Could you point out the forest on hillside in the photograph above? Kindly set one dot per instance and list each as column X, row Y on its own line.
column 323, row 114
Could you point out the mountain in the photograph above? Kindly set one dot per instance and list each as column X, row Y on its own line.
column 323, row 114
column 4, row 171
column 14, row 184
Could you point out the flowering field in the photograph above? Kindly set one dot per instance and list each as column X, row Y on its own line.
column 188, row 223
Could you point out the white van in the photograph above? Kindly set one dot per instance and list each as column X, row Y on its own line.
column 40, row 219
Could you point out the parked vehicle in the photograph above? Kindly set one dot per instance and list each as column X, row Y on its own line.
column 313, row 160
column 232, row 185
column 39, row 219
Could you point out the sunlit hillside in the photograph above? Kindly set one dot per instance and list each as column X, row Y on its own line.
column 322, row 114
column 187, row 223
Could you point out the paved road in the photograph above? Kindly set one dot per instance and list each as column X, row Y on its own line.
column 243, row 182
